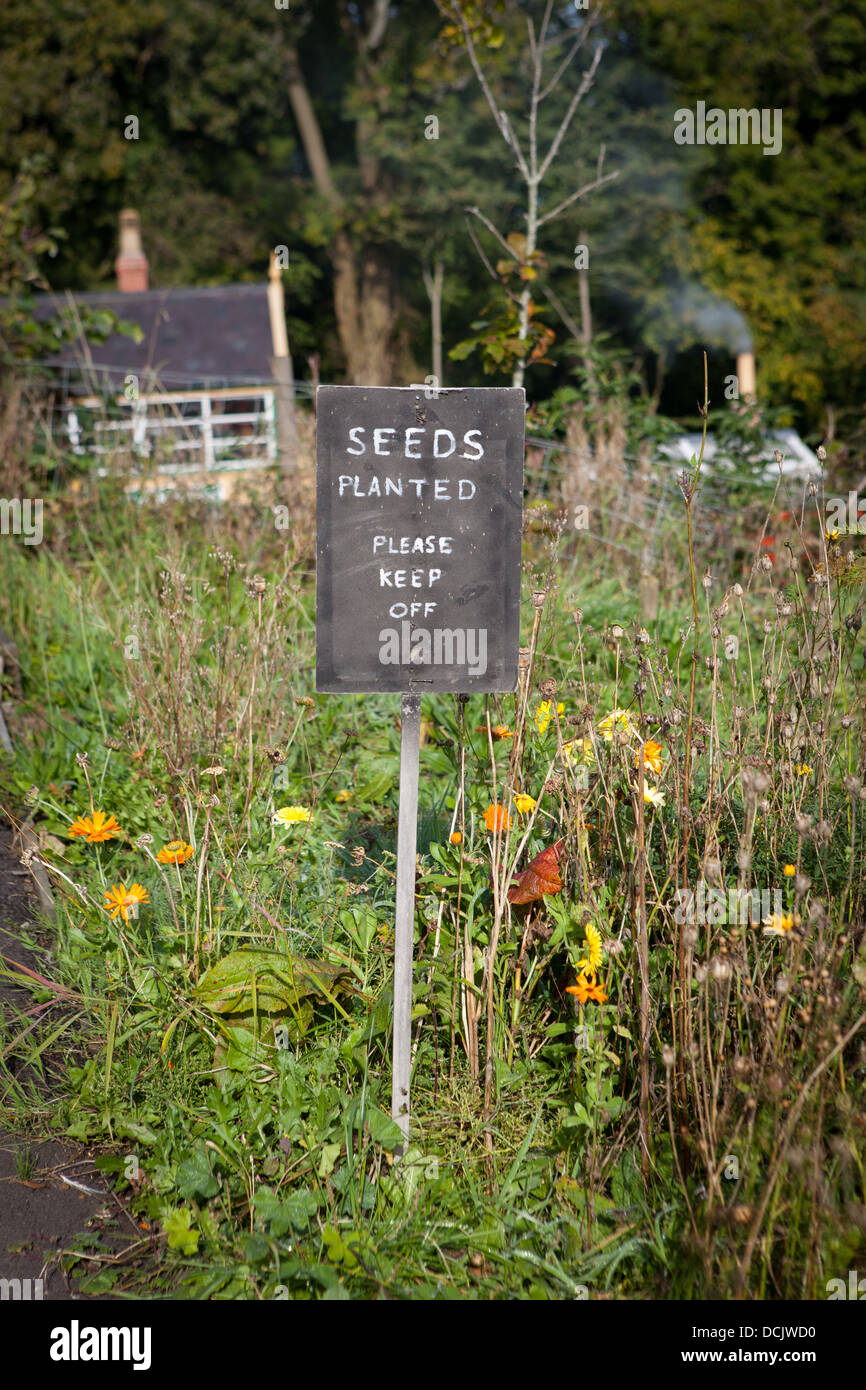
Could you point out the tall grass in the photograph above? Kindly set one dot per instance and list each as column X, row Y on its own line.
column 696, row 1133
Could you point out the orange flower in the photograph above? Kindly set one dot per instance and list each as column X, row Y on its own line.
column 100, row 827
column 652, row 756
column 497, row 818
column 587, row 989
column 126, row 901
column 175, row 852
column 455, row 837
column 498, row 730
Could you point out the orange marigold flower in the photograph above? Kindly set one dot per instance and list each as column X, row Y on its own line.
column 497, row 818
column 97, row 828
column 175, row 852
column 652, row 756
column 498, row 730
column 126, row 901
column 587, row 989
column 455, row 837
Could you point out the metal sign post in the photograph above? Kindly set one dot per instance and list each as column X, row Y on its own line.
column 419, row 513
column 407, row 834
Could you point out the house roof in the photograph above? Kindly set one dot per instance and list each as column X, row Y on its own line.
column 191, row 337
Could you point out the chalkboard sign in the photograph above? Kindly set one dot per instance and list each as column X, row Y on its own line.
column 418, row 519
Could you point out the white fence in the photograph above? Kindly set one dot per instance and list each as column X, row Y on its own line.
column 178, row 432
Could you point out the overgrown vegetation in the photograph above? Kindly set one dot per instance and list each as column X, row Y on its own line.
column 645, row 1080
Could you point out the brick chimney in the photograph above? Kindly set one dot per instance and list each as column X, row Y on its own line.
column 131, row 263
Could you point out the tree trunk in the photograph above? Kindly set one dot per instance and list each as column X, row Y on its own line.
column 363, row 300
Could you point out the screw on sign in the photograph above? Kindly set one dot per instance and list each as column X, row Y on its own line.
column 419, row 512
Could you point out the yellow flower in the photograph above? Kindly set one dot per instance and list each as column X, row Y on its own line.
column 653, row 795
column 831, row 535
column 652, row 756
column 497, row 818
column 779, row 923
column 126, row 901
column 291, row 815
column 101, row 827
column 578, row 748
column 618, row 721
column 524, row 804
column 802, row 769
column 544, row 714
column 594, row 956
column 175, row 852
column 789, row 870
column 344, row 795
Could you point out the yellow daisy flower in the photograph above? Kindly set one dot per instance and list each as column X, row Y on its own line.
column 175, row 852
column 291, row 815
column 544, row 714
column 524, row 804
column 594, row 955
column 124, row 900
column 779, row 923
column 618, row 721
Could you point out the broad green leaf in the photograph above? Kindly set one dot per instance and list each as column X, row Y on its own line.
column 252, row 980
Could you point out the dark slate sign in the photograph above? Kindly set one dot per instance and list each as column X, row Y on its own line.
column 419, row 515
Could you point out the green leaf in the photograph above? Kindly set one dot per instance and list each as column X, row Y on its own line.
column 383, row 1130
column 265, row 981
column 194, row 1177
column 178, row 1227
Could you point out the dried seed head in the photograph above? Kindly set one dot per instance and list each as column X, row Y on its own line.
column 707, row 581
column 742, row 1212
column 712, row 869
column 721, row 969
column 668, row 1056
column 616, row 632
column 538, row 598
column 31, row 796
column 642, row 637
column 821, row 452
column 742, row 1065
column 548, row 689
column 824, row 832
column 783, row 984
column 766, row 563
column 846, row 721
column 802, row 884
column 578, row 616
column 802, row 824
column 851, row 785
column 143, row 841
column 737, row 591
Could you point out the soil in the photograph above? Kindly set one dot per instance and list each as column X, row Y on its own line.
column 41, row 1213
